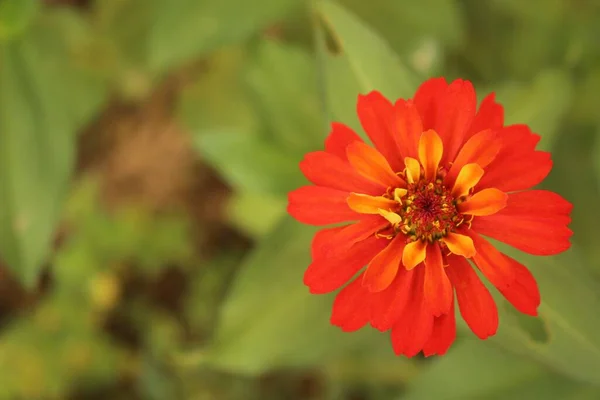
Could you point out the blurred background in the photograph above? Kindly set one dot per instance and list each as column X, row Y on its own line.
column 146, row 150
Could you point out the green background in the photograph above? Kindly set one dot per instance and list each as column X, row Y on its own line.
column 146, row 151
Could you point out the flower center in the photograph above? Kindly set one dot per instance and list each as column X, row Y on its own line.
column 428, row 211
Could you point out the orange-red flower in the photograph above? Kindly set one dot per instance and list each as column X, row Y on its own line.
column 417, row 204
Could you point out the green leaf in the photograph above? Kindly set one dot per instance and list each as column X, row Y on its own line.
column 540, row 104
column 216, row 98
column 283, row 82
column 373, row 63
column 44, row 99
column 16, row 16
column 250, row 163
column 185, row 29
column 573, row 153
column 262, row 154
column 145, row 39
column 255, row 214
column 475, row 370
column 569, row 316
column 408, row 25
column 270, row 319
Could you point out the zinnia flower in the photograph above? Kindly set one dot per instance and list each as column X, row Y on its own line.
column 417, row 204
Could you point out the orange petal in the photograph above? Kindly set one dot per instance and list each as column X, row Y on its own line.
column 431, row 150
column 339, row 138
column 365, row 204
column 383, row 268
column 369, row 163
column 485, row 202
column 467, row 178
column 461, row 245
column 481, row 149
column 399, row 193
column 414, row 254
column 437, row 289
column 390, row 216
column 413, row 169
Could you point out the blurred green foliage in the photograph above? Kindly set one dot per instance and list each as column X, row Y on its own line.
column 122, row 300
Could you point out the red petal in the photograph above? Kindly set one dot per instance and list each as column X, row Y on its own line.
column 376, row 114
column 533, row 221
column 348, row 235
column 328, row 170
column 491, row 262
column 456, row 113
column 427, row 98
column 413, row 329
column 476, row 304
column 316, row 205
column 327, row 274
column 480, row 149
column 383, row 268
column 437, row 288
column 517, row 166
column 322, row 238
column 339, row 138
column 489, row 116
column 509, row 276
column 518, row 173
column 408, row 128
column 442, row 335
column 372, row 165
column 351, row 307
column 524, row 293
column 387, row 306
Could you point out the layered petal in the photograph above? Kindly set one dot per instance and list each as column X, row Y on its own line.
column 509, row 276
column 377, row 117
column 365, row 204
column 491, row 262
column 325, row 169
column 387, row 306
column 489, row 116
column 475, row 302
column 427, row 99
column 467, row 178
column 413, row 329
column 339, row 139
column 317, row 205
column 339, row 239
column 480, row 149
column 456, row 113
column 442, row 334
column 524, row 293
column 431, row 150
column 414, row 254
column 322, row 238
column 485, row 202
column 326, row 274
column 408, row 128
column 459, row 244
column 350, row 309
column 517, row 166
column 372, row 165
column 533, row 221
column 413, row 169
column 383, row 269
column 437, row 288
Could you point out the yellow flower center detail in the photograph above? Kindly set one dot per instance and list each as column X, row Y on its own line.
column 428, row 211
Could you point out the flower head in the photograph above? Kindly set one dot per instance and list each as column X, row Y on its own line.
column 439, row 176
